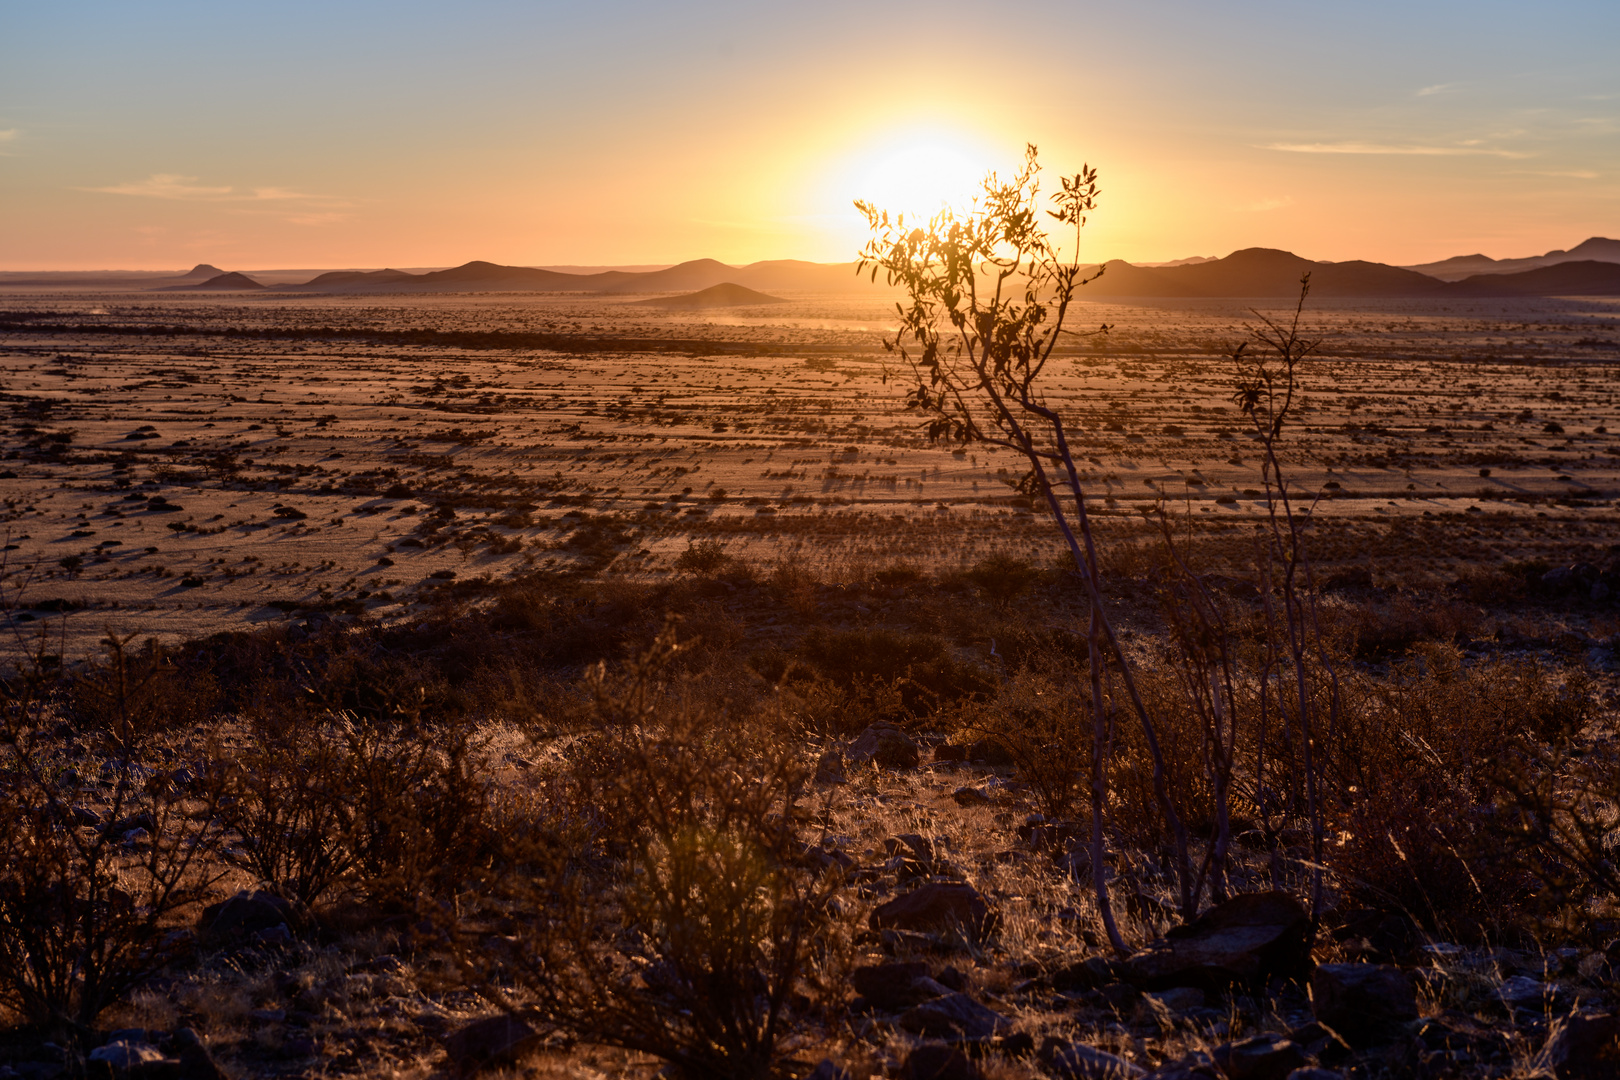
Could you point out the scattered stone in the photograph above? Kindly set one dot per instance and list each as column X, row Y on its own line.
column 1120, row 996
column 938, row 906
column 1520, row 992
column 939, row 1061
column 1195, row 1065
column 920, row 847
column 828, row 856
column 1582, row 1048
column 895, row 985
column 971, row 796
column 488, row 1041
column 1077, row 1061
column 953, row 979
column 887, row 746
column 908, row 942
column 1248, row 939
column 830, row 768
column 1092, row 973
column 124, row 1058
column 828, row 1069
column 1363, row 1003
column 1264, row 1057
column 1315, row 1072
column 1165, row 1005
column 1453, row 1041
column 954, row 1016
column 196, row 1063
column 245, row 914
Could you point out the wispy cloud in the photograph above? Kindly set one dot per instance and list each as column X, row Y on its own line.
column 1275, row 203
column 7, row 136
column 1389, row 148
column 176, row 186
column 275, row 193
column 1438, row 88
column 317, row 219
column 1571, row 174
column 164, row 186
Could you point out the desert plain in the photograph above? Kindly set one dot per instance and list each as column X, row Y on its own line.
column 322, row 583
column 179, row 466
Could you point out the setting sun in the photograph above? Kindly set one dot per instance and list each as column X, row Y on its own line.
column 921, row 178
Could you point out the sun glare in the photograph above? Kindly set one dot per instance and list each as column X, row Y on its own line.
column 920, row 179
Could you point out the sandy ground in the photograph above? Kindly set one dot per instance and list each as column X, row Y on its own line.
column 183, row 465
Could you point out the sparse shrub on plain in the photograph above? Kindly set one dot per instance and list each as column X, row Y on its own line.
column 1045, row 727
column 663, row 905
column 1002, row 579
column 702, row 557
column 134, row 693
column 104, row 843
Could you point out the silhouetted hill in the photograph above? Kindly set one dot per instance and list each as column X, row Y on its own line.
column 203, row 271
column 725, row 294
column 783, row 275
column 1589, row 277
column 1596, row 248
column 219, row 283
column 334, row 278
column 1259, row 272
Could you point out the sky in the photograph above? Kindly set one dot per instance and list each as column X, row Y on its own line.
column 351, row 133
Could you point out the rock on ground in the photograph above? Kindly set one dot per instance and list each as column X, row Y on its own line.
column 247, row 913
column 1582, row 1047
column 1248, row 939
column 954, row 1016
column 1077, row 1061
column 886, row 745
column 493, row 1039
column 937, row 906
column 1363, row 1003
column 939, row 1061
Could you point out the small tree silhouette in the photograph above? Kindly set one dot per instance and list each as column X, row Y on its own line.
column 987, row 296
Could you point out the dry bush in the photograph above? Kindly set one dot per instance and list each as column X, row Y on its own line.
column 291, row 810
column 792, row 585
column 93, row 868
column 1391, row 629
column 1002, row 579
column 659, row 902
column 920, row 666
column 135, row 693
column 419, row 826
column 1556, row 813
column 1044, row 721
column 1416, row 768
column 702, row 557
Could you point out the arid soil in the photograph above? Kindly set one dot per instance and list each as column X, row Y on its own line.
column 436, row 515
column 180, row 465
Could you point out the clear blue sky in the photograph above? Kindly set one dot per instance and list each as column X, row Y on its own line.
column 403, row 133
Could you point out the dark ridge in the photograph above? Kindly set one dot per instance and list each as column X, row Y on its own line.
column 787, row 275
column 1260, row 272
column 1589, row 277
column 725, row 294
column 229, row 281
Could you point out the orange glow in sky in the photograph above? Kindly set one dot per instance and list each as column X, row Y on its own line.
column 370, row 134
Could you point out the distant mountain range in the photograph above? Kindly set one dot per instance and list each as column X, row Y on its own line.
column 1598, row 249
column 1591, row 268
column 783, row 275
